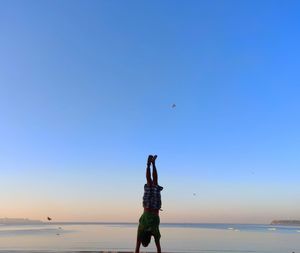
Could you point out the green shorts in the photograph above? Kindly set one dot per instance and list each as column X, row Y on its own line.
column 149, row 222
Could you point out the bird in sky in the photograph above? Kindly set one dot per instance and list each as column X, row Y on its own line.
column 49, row 219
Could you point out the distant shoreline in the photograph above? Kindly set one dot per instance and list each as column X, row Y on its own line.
column 286, row 222
column 25, row 221
column 29, row 222
column 19, row 221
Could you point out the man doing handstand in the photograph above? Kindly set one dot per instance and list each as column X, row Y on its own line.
column 149, row 221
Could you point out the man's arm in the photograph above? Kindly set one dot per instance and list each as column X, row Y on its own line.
column 157, row 243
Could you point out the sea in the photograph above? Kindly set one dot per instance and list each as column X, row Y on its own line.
column 189, row 238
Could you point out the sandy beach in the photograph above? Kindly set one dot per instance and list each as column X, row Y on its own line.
column 55, row 251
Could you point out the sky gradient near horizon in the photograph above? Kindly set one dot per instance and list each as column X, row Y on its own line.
column 86, row 93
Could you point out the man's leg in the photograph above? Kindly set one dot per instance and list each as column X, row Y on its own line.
column 148, row 173
column 157, row 243
column 154, row 172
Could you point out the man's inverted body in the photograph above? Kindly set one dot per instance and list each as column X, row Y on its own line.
column 149, row 221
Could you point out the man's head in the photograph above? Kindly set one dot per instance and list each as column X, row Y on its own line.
column 146, row 238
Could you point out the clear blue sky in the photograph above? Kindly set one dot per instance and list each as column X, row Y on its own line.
column 86, row 89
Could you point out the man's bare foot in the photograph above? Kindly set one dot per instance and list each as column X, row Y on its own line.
column 153, row 159
column 150, row 159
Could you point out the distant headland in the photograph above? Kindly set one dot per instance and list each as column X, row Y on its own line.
column 286, row 222
column 19, row 221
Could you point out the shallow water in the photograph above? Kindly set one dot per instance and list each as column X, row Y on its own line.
column 211, row 238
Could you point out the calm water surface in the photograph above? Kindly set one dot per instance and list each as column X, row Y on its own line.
column 210, row 238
